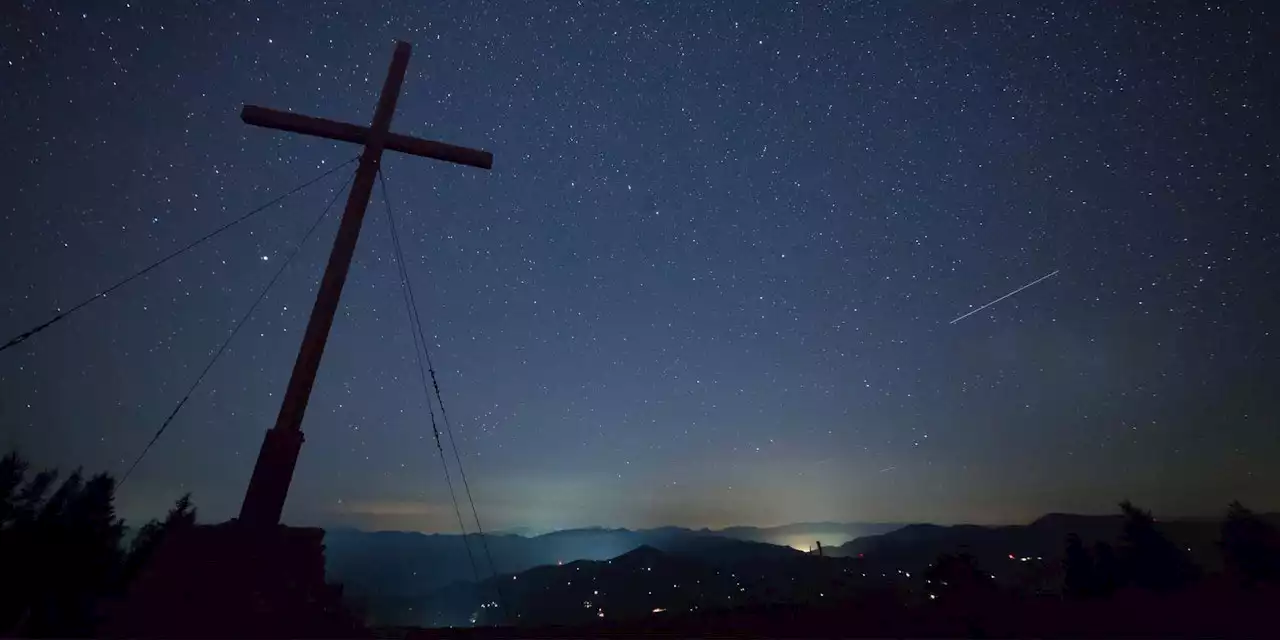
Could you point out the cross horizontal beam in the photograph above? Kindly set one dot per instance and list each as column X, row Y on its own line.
column 346, row 132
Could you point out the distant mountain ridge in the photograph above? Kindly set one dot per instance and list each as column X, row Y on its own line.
column 403, row 562
column 738, row 532
column 697, row 572
column 399, row 575
column 913, row 547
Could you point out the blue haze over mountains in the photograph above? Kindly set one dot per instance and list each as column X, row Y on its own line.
column 410, row 561
column 415, row 579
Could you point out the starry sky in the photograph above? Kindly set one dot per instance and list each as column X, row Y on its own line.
column 710, row 280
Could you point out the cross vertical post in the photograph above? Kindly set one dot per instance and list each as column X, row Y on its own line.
column 273, row 472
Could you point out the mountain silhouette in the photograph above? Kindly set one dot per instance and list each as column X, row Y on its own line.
column 704, row 573
column 400, row 563
column 426, row 580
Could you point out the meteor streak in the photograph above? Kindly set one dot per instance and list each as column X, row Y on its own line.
column 1011, row 293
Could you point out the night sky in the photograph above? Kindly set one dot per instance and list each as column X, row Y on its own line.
column 709, row 281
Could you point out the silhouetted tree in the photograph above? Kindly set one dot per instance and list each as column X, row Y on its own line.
column 60, row 552
column 1250, row 546
column 956, row 578
column 31, row 497
column 1108, row 572
column 12, row 471
column 181, row 516
column 1079, row 579
column 1150, row 559
column 954, row 574
column 89, row 558
column 72, row 555
column 19, row 537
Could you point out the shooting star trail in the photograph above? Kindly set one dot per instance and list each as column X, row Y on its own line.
column 1011, row 293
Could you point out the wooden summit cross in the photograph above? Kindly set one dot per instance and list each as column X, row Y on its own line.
column 273, row 471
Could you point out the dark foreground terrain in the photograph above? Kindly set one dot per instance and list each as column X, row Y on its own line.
column 68, row 571
column 1199, row 613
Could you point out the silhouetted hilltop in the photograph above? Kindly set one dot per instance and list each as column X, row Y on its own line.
column 1002, row 548
column 407, row 563
column 641, row 555
column 427, row 580
column 704, row 573
column 725, row 551
column 803, row 534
